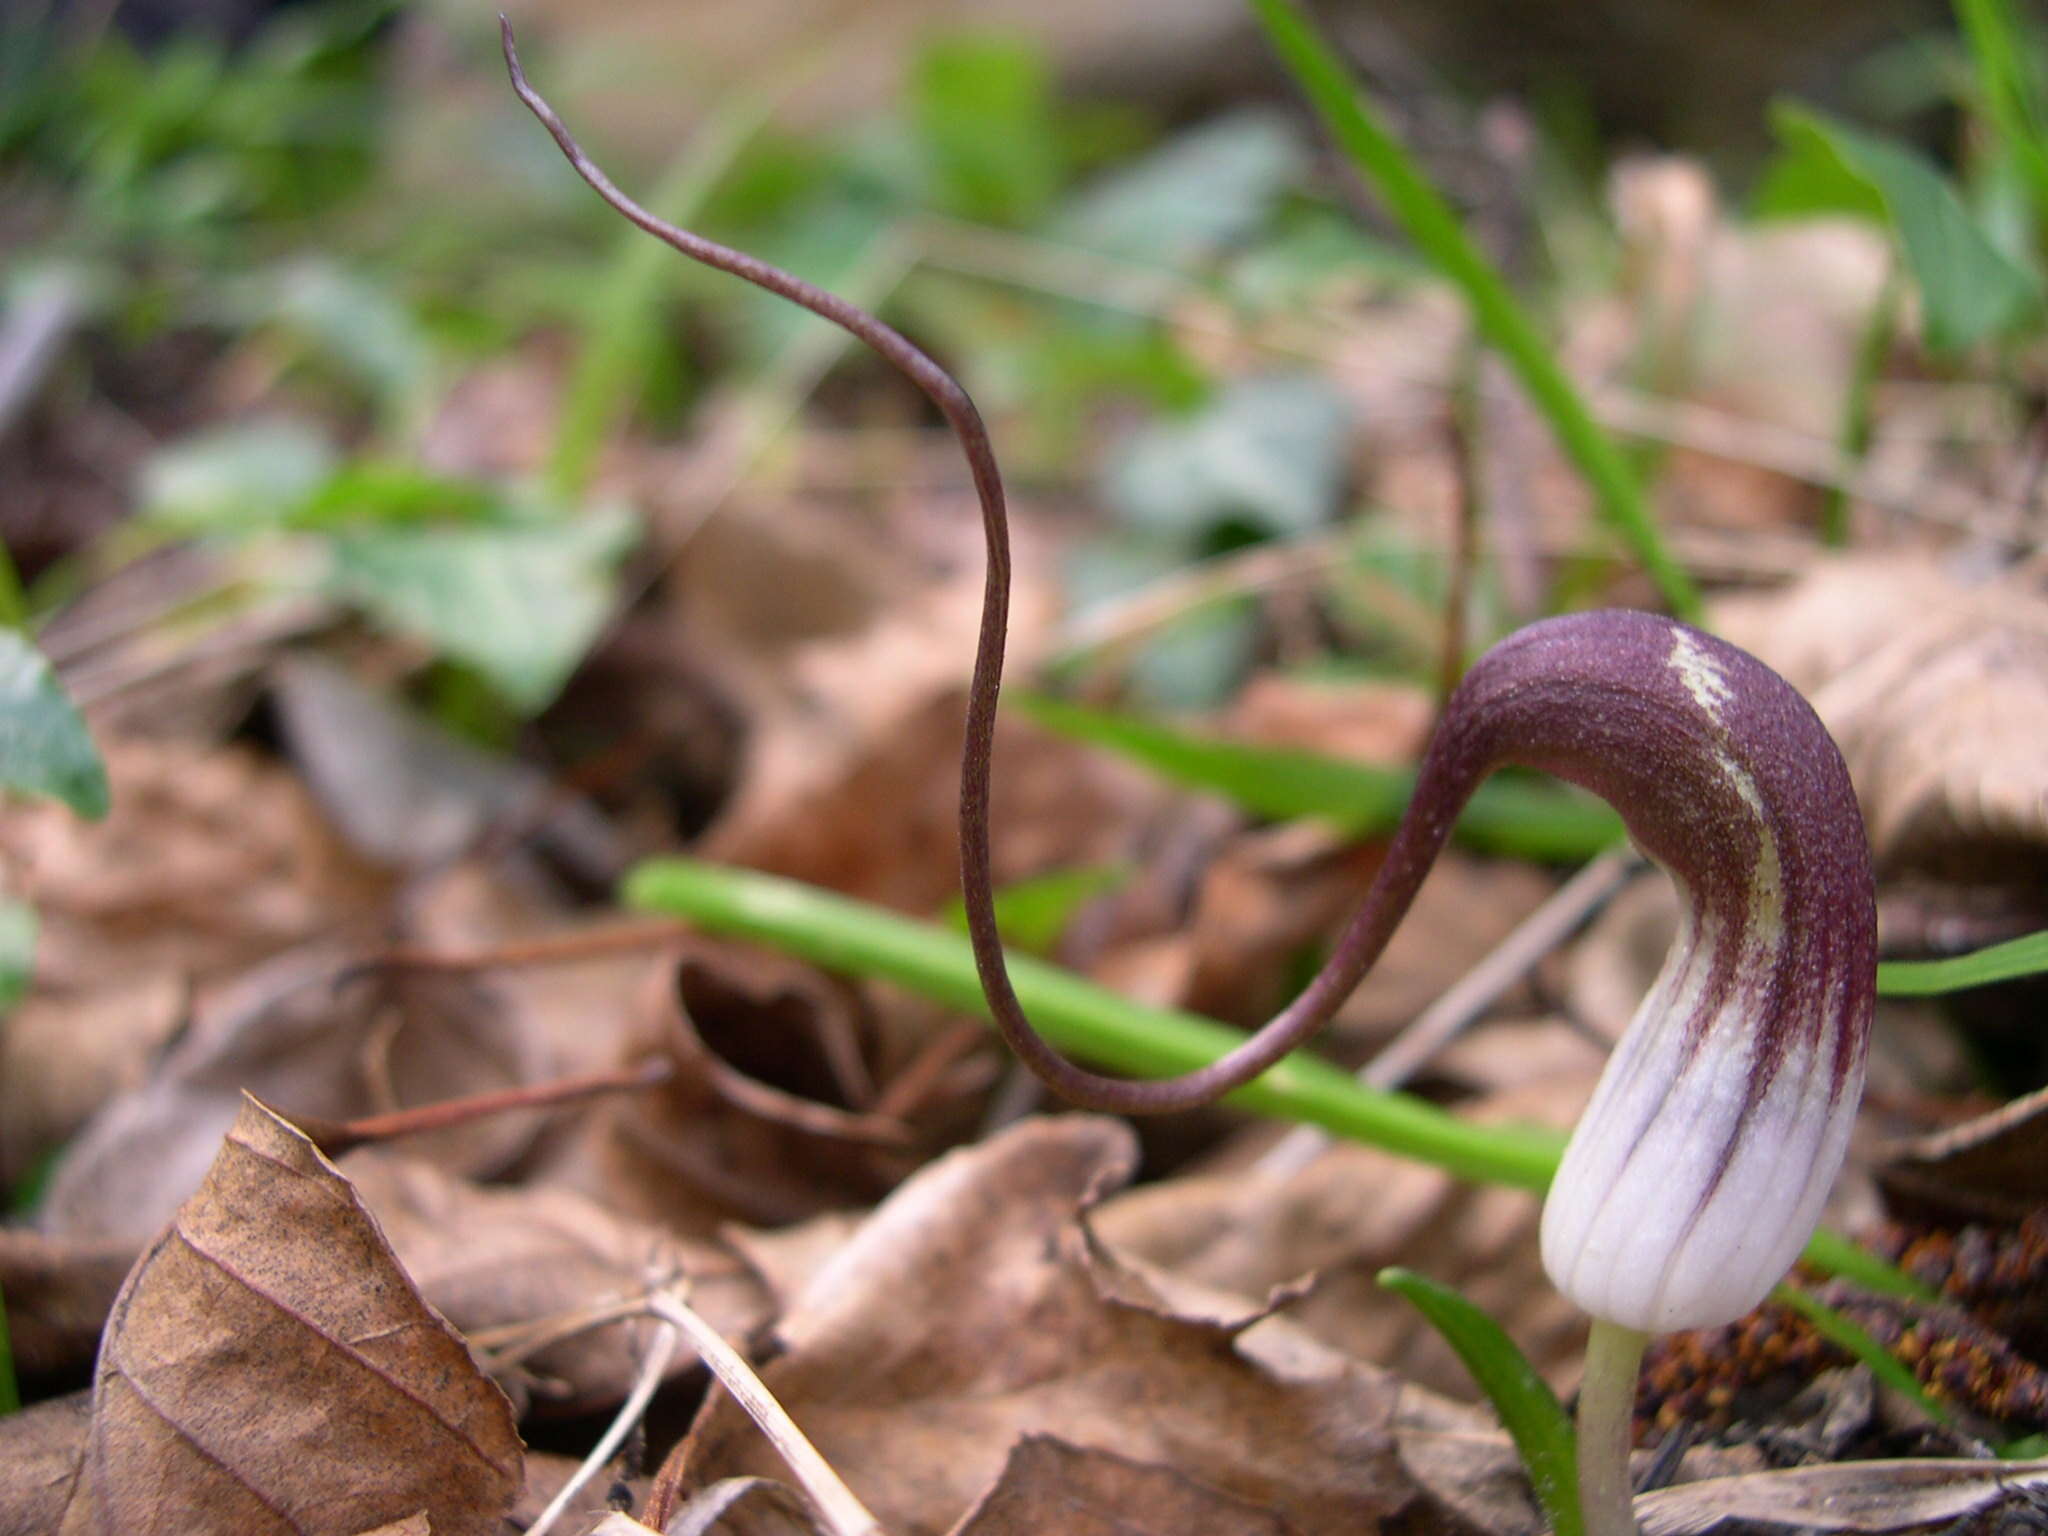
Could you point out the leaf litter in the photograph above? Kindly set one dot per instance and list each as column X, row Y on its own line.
column 979, row 1326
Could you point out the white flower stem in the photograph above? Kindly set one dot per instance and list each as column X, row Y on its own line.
column 1607, row 1397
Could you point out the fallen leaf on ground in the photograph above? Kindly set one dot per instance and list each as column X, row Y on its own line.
column 1048, row 1485
column 741, row 1506
column 57, row 1294
column 966, row 1314
column 41, row 1448
column 1347, row 1215
column 405, row 793
column 269, row 1367
column 493, row 1258
column 211, row 860
column 285, row 1033
column 762, row 1121
column 1992, row 1167
column 1935, row 689
column 1864, row 1496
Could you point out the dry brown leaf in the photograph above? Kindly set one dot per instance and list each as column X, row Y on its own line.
column 1863, row 1496
column 285, row 1033
column 211, row 860
column 744, row 1506
column 761, row 1122
column 415, row 1524
column 406, row 793
column 616, row 1524
column 886, row 830
column 965, row 1314
column 1049, row 1485
column 1992, row 1167
column 40, row 1451
column 1936, row 690
column 269, row 1367
column 1352, row 1212
column 546, row 1475
column 492, row 1258
column 57, row 1295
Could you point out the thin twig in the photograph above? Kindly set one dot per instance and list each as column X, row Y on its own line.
column 336, row 1137
column 842, row 1513
column 550, row 949
column 652, row 1371
column 1573, row 904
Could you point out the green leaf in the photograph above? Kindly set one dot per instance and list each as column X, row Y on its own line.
column 1354, row 121
column 1211, row 187
column 238, row 479
column 357, row 323
column 18, row 926
column 1266, row 452
column 1508, row 816
column 2027, row 956
column 983, row 110
column 520, row 604
column 1528, row 1409
column 10, row 1391
column 1032, row 914
column 44, row 746
column 374, row 493
column 1969, row 290
column 2006, row 59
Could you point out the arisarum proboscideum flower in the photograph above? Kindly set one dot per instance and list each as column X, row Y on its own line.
column 1698, row 1170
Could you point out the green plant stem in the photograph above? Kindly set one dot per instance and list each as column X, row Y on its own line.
column 851, row 937
column 13, row 604
column 1423, row 212
column 610, row 365
column 10, row 1391
column 845, row 935
column 1528, row 1409
column 1607, row 1402
column 2024, row 956
column 1880, row 328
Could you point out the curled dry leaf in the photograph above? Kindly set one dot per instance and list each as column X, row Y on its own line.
column 57, row 1296
column 1048, row 1485
column 494, row 1258
column 762, row 1121
column 1935, row 690
column 1993, row 1167
column 210, row 861
column 1861, row 1496
column 40, row 1452
column 287, row 1034
column 744, row 1506
column 406, row 793
column 270, row 1367
column 965, row 1314
column 1347, row 1215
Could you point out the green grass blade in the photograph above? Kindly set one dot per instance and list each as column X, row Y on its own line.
column 1859, row 414
column 1528, row 1409
column 2009, row 84
column 1513, row 817
column 625, row 318
column 844, row 935
column 10, row 1390
column 2026, row 956
column 1436, row 231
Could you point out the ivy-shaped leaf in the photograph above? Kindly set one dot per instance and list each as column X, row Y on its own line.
column 44, row 746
